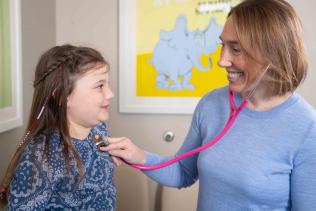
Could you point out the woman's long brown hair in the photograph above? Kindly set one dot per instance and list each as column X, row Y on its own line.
column 275, row 30
column 55, row 76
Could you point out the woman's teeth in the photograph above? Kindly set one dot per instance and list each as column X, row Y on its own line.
column 235, row 75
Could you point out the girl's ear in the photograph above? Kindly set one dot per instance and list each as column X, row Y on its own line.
column 68, row 102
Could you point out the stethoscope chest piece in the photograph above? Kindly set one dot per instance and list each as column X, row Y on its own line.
column 100, row 141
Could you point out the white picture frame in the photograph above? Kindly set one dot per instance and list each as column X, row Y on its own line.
column 11, row 116
column 128, row 101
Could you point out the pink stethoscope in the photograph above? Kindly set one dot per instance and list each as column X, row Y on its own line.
column 234, row 112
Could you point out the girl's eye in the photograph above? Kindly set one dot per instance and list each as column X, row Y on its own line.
column 100, row 86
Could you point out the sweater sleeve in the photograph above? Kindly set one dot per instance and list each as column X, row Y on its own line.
column 184, row 172
column 303, row 180
column 30, row 187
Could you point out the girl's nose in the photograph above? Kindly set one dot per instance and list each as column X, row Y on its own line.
column 109, row 94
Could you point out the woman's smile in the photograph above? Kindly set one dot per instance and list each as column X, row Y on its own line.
column 234, row 76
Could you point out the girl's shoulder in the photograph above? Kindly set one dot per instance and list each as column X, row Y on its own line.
column 43, row 150
column 42, row 141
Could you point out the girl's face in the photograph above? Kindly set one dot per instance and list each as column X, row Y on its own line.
column 242, row 71
column 88, row 104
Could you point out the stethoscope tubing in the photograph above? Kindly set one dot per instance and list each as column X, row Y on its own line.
column 234, row 112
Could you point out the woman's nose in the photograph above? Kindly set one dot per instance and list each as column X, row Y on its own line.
column 225, row 59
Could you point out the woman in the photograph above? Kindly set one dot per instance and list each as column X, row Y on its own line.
column 57, row 165
column 267, row 160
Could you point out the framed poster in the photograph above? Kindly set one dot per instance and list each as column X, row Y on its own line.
column 10, row 64
column 168, row 53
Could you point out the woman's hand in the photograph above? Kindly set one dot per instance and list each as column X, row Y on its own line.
column 123, row 148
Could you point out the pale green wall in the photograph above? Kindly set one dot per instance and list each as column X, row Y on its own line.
column 5, row 63
column 38, row 34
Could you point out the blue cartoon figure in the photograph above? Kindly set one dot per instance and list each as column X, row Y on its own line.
column 179, row 50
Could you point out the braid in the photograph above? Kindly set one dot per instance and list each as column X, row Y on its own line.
column 61, row 61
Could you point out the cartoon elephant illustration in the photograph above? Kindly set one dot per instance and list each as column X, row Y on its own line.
column 179, row 50
column 165, row 2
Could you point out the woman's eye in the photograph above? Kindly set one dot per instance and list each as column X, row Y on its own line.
column 235, row 51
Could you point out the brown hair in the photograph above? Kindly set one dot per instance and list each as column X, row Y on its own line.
column 55, row 77
column 274, row 29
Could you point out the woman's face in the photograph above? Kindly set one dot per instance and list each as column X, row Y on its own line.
column 88, row 104
column 242, row 71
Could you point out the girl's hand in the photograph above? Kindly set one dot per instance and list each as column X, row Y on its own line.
column 123, row 148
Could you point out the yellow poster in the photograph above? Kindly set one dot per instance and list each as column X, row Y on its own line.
column 177, row 47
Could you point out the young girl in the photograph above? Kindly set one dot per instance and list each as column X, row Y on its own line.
column 57, row 165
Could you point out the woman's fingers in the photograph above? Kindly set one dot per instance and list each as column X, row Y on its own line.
column 117, row 161
column 117, row 143
column 113, row 146
column 115, row 140
column 126, row 155
column 124, row 148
